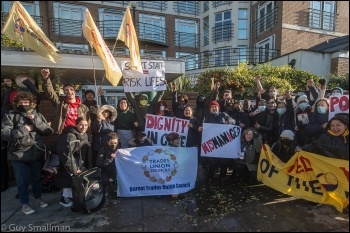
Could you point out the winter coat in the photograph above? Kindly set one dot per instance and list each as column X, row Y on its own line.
column 69, row 155
column 302, row 119
column 265, row 120
column 24, row 145
column 101, row 129
column 141, row 111
column 61, row 107
column 104, row 159
column 330, row 146
column 177, row 111
column 135, row 143
column 193, row 135
column 314, row 128
column 219, row 118
column 251, row 152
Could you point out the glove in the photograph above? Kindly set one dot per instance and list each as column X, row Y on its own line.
column 322, row 81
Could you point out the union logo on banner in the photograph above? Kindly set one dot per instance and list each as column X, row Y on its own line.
column 19, row 27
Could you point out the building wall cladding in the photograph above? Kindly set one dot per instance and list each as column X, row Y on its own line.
column 340, row 66
column 296, row 13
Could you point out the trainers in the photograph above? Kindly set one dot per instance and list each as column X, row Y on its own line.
column 66, row 201
column 27, row 209
column 40, row 202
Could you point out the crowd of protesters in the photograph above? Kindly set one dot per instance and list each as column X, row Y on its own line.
column 88, row 135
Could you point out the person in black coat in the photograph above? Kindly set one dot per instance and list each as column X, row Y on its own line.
column 71, row 144
column 335, row 142
column 216, row 117
column 106, row 160
column 23, row 128
column 140, row 140
column 318, row 119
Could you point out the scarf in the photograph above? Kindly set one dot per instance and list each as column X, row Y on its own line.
column 346, row 133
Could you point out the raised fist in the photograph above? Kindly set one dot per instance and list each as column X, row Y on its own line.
column 45, row 73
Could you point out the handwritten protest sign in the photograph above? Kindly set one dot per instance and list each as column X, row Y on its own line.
column 221, row 140
column 338, row 104
column 158, row 127
column 152, row 79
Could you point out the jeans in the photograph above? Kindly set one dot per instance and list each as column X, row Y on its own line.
column 25, row 172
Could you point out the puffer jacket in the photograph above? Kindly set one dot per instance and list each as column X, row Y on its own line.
column 330, row 146
column 61, row 108
column 102, row 128
column 69, row 155
column 13, row 130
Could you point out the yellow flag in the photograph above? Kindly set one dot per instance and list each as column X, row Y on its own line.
column 21, row 27
column 92, row 34
column 127, row 34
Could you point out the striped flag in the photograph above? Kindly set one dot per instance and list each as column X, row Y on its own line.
column 92, row 34
column 127, row 34
column 21, row 27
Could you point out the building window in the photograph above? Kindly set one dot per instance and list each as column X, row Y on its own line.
column 68, row 19
column 266, row 13
column 222, row 57
column 220, row 3
column 186, row 33
column 205, row 6
column 109, row 22
column 242, row 53
column 32, row 7
column 322, row 15
column 150, row 28
column 223, row 26
column 265, row 50
column 206, row 30
column 242, row 24
column 191, row 62
column 187, row 7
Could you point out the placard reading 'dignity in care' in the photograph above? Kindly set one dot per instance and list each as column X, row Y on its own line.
column 152, row 79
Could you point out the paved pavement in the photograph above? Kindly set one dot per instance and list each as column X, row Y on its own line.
column 230, row 208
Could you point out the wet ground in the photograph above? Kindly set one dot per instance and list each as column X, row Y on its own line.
column 234, row 207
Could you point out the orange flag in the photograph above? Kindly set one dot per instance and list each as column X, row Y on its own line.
column 92, row 34
column 127, row 34
column 21, row 27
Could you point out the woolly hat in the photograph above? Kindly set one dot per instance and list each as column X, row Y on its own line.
column 143, row 97
column 302, row 98
column 339, row 89
column 89, row 91
column 213, row 103
column 287, row 134
column 172, row 136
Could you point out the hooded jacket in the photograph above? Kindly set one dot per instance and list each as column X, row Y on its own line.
column 61, row 107
column 102, row 128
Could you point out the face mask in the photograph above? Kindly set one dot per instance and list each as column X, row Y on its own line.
column 335, row 94
column 303, row 106
column 261, row 108
column 143, row 102
column 281, row 111
column 23, row 108
column 272, row 94
column 142, row 140
column 321, row 110
column 286, row 142
column 161, row 108
column 113, row 147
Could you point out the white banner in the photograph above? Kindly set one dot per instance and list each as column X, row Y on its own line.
column 152, row 79
column 338, row 104
column 156, row 170
column 221, row 140
column 158, row 127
